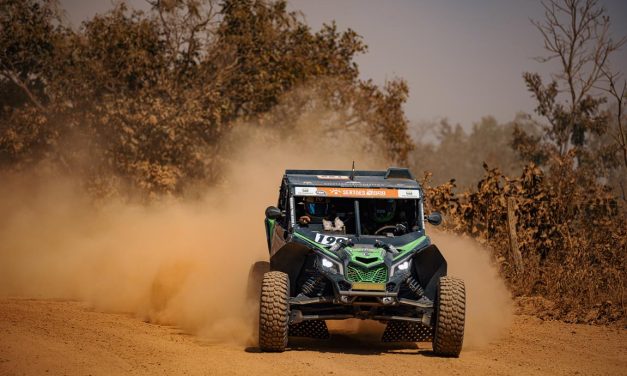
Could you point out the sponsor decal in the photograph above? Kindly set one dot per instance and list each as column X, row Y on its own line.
column 357, row 192
column 306, row 191
column 408, row 193
column 360, row 192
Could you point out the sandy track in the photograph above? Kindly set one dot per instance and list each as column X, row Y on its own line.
column 65, row 338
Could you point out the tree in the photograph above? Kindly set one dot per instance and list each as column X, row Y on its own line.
column 576, row 35
column 27, row 37
column 460, row 155
column 619, row 95
column 146, row 100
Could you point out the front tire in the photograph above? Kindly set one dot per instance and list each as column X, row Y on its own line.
column 450, row 316
column 274, row 312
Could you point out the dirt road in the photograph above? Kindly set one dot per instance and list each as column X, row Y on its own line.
column 65, row 338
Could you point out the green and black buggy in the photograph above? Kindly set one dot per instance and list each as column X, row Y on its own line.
column 352, row 244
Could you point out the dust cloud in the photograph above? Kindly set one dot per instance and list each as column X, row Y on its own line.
column 181, row 262
column 489, row 309
column 173, row 262
column 185, row 262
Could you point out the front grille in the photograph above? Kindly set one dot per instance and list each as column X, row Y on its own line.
column 375, row 275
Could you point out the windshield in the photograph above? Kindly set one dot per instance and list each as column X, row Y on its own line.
column 376, row 216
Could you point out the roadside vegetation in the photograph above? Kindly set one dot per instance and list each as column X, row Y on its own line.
column 145, row 102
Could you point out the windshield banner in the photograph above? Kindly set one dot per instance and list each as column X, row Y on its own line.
column 357, row 192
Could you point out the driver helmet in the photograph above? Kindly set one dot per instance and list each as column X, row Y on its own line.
column 317, row 206
column 384, row 210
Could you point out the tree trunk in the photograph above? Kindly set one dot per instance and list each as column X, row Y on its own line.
column 514, row 254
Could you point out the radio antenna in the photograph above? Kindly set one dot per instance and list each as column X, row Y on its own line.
column 353, row 172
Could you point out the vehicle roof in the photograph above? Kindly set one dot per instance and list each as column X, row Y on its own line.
column 400, row 178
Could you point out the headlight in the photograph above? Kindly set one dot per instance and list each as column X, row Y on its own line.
column 330, row 265
column 400, row 267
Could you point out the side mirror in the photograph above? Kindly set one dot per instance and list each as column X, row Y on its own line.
column 434, row 218
column 272, row 212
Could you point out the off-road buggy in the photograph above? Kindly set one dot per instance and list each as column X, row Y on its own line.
column 352, row 244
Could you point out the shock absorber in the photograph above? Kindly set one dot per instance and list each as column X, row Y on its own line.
column 414, row 286
column 314, row 285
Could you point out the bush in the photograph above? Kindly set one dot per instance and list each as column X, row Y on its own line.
column 571, row 233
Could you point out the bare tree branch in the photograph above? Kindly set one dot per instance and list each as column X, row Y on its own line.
column 7, row 73
column 576, row 33
column 620, row 96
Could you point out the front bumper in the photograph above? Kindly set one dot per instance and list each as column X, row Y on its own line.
column 374, row 305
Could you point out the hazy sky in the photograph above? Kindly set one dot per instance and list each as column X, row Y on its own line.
column 462, row 59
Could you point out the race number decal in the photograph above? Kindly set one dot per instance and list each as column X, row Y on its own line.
column 329, row 239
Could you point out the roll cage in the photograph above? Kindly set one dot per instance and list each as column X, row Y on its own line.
column 352, row 195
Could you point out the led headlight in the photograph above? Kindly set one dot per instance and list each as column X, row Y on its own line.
column 330, row 265
column 326, row 263
column 400, row 267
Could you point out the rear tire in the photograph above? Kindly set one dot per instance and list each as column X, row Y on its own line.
column 450, row 316
column 274, row 312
